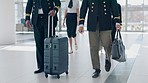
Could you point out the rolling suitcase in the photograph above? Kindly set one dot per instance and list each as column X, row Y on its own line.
column 55, row 54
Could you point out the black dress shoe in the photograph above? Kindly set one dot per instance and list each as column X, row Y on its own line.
column 38, row 71
column 107, row 65
column 96, row 73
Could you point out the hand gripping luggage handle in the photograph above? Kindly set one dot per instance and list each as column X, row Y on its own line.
column 49, row 25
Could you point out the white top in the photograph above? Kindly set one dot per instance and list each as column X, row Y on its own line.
column 75, row 6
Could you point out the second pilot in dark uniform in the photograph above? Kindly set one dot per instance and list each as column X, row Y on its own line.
column 40, row 10
column 99, row 28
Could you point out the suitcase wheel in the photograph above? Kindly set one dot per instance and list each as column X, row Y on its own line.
column 58, row 76
column 46, row 75
column 66, row 72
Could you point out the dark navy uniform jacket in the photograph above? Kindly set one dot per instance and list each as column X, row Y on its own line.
column 99, row 11
column 47, row 5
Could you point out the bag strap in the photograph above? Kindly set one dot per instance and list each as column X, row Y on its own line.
column 118, row 34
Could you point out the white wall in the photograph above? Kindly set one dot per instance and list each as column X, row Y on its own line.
column 7, row 22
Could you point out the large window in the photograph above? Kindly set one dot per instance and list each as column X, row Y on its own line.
column 134, row 15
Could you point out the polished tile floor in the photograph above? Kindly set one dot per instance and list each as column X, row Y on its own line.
column 18, row 62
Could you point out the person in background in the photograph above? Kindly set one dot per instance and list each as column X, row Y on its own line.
column 99, row 26
column 40, row 9
column 120, row 21
column 71, row 16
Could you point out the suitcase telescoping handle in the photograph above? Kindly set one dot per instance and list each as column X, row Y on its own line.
column 49, row 25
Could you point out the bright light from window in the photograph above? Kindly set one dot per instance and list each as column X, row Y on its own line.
column 133, row 2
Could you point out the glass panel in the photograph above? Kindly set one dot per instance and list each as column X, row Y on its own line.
column 145, row 13
column 20, row 16
column 133, row 15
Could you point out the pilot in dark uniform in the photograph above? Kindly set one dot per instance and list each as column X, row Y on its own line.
column 39, row 11
column 99, row 26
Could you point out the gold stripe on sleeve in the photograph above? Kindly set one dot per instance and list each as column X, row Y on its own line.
column 82, row 19
column 27, row 14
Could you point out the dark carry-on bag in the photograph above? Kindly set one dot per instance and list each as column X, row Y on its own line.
column 118, row 48
column 55, row 54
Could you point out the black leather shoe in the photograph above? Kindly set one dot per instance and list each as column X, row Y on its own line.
column 96, row 73
column 107, row 65
column 38, row 71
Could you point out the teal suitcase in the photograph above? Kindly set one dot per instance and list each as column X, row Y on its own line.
column 55, row 56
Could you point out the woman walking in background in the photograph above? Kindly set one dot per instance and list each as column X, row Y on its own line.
column 71, row 16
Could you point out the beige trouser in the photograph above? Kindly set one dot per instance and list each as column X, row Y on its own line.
column 94, row 38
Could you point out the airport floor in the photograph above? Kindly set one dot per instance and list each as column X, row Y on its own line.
column 18, row 62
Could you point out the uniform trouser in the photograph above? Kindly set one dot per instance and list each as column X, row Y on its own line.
column 40, row 33
column 94, row 38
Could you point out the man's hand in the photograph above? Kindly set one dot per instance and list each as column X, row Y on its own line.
column 118, row 26
column 52, row 13
column 81, row 29
column 28, row 25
